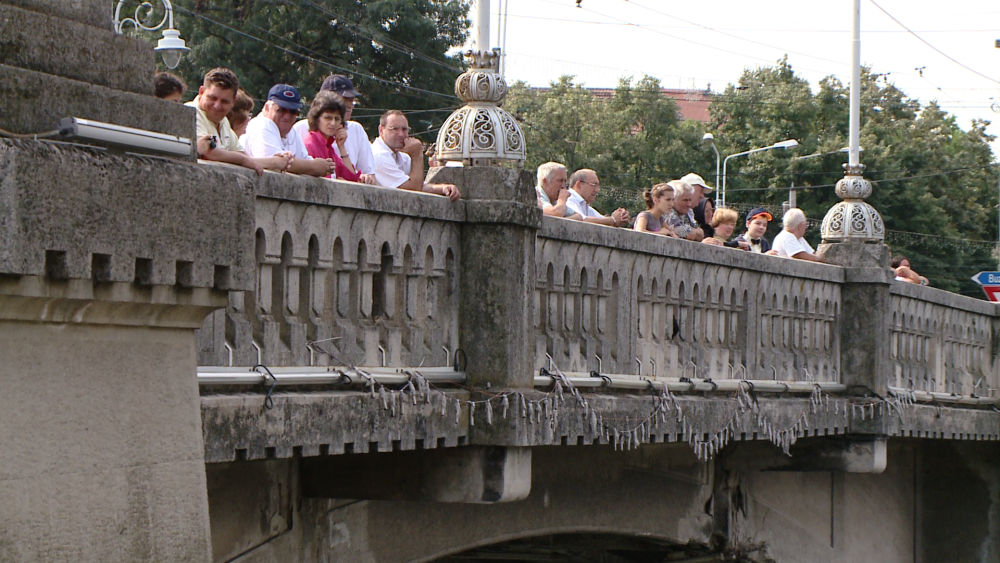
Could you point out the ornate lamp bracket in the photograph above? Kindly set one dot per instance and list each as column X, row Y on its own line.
column 171, row 47
column 481, row 133
column 853, row 219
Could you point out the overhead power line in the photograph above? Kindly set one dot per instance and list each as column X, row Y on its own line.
column 939, row 51
column 353, row 71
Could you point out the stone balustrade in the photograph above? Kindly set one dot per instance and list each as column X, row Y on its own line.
column 373, row 276
column 370, row 274
column 630, row 303
column 942, row 342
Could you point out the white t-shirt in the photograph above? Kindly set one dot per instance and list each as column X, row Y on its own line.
column 358, row 146
column 788, row 245
column 392, row 168
column 263, row 140
column 577, row 204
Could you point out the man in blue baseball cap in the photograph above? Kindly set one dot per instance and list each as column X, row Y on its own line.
column 271, row 133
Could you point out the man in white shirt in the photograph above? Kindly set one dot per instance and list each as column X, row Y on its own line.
column 399, row 158
column 216, row 139
column 789, row 242
column 552, row 192
column 271, row 132
column 583, row 190
column 359, row 148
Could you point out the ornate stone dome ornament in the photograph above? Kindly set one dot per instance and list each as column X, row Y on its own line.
column 481, row 133
column 853, row 219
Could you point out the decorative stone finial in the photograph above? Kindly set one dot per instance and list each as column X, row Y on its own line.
column 853, row 219
column 480, row 133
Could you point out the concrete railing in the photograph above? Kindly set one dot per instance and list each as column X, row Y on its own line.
column 617, row 300
column 368, row 273
column 943, row 343
column 376, row 277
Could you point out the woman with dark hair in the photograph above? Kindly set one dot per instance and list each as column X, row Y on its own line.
column 326, row 128
column 168, row 87
column 703, row 213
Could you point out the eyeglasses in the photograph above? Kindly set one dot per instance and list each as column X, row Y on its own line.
column 393, row 129
column 593, row 184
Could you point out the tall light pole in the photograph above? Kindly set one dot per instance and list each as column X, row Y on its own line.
column 710, row 139
column 852, row 219
column 786, row 144
column 791, row 189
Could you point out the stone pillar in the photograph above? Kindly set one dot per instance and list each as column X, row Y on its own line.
column 498, row 273
column 108, row 265
column 852, row 238
column 61, row 58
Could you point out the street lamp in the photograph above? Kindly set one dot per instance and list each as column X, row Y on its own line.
column 786, row 144
column 171, row 47
column 710, row 139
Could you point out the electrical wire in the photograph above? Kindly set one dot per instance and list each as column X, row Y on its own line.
column 380, row 38
column 353, row 71
column 938, row 51
column 33, row 136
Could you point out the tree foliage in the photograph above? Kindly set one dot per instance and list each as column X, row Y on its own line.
column 929, row 175
column 633, row 140
column 395, row 51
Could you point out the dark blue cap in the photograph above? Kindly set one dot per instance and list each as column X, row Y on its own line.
column 340, row 84
column 285, row 96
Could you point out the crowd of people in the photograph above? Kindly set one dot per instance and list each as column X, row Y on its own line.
column 324, row 144
column 327, row 143
column 677, row 209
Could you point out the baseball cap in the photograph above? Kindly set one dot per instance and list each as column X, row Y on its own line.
column 340, row 84
column 285, row 96
column 758, row 211
column 696, row 180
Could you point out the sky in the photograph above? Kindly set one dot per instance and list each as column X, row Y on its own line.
column 949, row 56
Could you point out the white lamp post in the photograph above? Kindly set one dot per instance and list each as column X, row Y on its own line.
column 853, row 219
column 791, row 189
column 171, row 47
column 710, row 139
column 786, row 144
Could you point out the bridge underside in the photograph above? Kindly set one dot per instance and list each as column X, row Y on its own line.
column 935, row 501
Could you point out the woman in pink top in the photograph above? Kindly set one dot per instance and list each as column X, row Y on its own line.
column 326, row 127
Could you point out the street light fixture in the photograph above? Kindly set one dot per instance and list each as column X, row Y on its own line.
column 171, row 47
column 710, row 139
column 786, row 144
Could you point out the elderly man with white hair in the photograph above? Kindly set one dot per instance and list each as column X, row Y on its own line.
column 789, row 242
column 552, row 191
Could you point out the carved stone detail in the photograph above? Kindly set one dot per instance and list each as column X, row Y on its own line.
column 853, row 219
column 481, row 133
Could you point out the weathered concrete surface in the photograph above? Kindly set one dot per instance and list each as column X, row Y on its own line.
column 97, row 56
column 251, row 503
column 73, row 213
column 864, row 336
column 34, row 102
column 958, row 515
column 659, row 492
column 471, row 475
column 102, row 452
column 830, row 517
column 498, row 246
column 96, row 13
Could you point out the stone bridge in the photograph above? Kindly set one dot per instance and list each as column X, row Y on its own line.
column 204, row 365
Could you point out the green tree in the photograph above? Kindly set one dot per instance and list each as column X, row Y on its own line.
column 929, row 175
column 395, row 51
column 633, row 140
